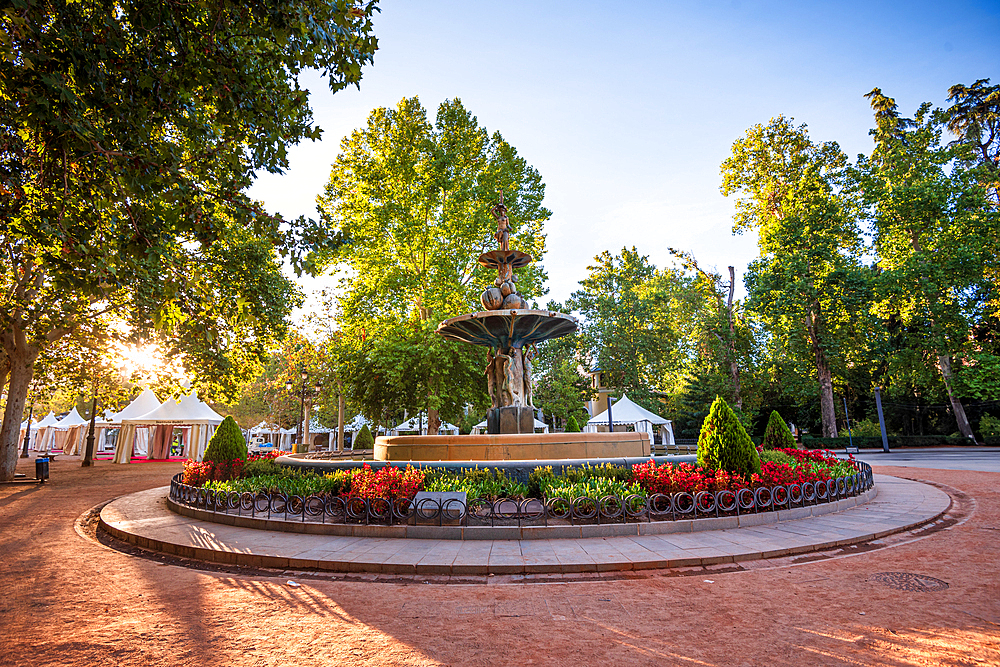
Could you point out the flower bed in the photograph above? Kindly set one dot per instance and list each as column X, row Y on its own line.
column 644, row 492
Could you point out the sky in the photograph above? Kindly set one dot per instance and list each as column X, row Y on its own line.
column 628, row 109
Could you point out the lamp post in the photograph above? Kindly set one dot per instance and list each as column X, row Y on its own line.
column 88, row 456
column 27, row 432
column 611, row 423
column 305, row 391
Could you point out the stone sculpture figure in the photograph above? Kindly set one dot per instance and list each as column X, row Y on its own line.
column 491, row 382
column 503, row 365
column 527, row 357
column 503, row 224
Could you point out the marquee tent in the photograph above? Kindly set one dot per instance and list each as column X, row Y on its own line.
column 145, row 402
column 63, row 435
column 419, row 423
column 37, row 428
column 194, row 418
column 277, row 436
column 624, row 413
column 480, row 428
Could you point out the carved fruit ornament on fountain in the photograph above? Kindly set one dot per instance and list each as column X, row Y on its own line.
column 511, row 331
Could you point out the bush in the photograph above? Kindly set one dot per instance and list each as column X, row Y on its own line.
column 777, row 435
column 261, row 467
column 364, row 439
column 866, row 428
column 724, row 443
column 872, row 442
column 572, row 426
column 227, row 444
column 989, row 426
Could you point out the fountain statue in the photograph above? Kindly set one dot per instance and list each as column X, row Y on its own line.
column 511, row 331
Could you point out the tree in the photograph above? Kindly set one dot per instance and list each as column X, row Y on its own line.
column 571, row 425
column 724, row 444
column 128, row 134
column 723, row 338
column 777, row 435
column 364, row 439
column 974, row 117
column 936, row 235
column 413, row 198
column 560, row 388
column 633, row 324
column 808, row 286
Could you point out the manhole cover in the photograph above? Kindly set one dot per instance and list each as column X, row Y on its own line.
column 907, row 581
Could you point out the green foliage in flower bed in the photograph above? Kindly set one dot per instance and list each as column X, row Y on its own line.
column 774, row 456
column 476, row 483
column 784, row 466
column 292, row 483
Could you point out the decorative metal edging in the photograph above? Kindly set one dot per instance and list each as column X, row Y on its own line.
column 329, row 509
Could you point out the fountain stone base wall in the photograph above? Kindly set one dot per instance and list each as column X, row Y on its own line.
column 511, row 447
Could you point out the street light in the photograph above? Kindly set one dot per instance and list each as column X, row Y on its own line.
column 305, row 391
column 27, row 431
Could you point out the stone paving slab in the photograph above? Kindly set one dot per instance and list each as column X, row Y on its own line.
column 144, row 519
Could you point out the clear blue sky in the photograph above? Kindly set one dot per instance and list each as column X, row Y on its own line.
column 627, row 109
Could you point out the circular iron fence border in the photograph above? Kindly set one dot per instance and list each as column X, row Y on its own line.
column 528, row 511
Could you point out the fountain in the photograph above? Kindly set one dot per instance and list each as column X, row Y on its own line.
column 511, row 332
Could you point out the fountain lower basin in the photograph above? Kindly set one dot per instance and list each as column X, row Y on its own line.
column 512, row 447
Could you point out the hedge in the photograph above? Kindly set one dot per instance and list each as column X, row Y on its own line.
column 875, row 442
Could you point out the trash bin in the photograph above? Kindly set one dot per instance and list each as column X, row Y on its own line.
column 41, row 469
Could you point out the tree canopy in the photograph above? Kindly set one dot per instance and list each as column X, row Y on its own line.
column 412, row 198
column 129, row 133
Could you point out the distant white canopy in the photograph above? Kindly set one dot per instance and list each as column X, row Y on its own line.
column 625, row 412
column 419, row 424
column 481, row 427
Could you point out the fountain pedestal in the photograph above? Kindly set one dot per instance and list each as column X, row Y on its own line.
column 510, row 419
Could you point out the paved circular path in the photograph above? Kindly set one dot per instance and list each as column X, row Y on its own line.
column 143, row 519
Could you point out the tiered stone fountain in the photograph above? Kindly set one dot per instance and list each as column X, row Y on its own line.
column 511, row 332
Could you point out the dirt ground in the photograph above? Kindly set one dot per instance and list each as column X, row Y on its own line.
column 68, row 600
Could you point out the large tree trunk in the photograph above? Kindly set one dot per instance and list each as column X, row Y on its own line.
column 944, row 363
column 826, row 406
column 433, row 421
column 4, row 371
column 22, row 362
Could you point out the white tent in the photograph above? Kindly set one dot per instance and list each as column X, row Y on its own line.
column 62, row 435
column 38, row 428
column 419, row 423
column 481, row 427
column 142, row 404
column 194, row 418
column 625, row 412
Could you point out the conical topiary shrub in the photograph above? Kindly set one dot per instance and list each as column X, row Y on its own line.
column 364, row 439
column 777, row 435
column 724, row 444
column 227, row 451
column 572, row 426
column 227, row 444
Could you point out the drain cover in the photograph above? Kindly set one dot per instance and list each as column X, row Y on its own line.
column 907, row 581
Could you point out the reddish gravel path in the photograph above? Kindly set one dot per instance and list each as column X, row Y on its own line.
column 68, row 600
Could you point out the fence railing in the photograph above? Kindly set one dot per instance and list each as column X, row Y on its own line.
column 527, row 512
